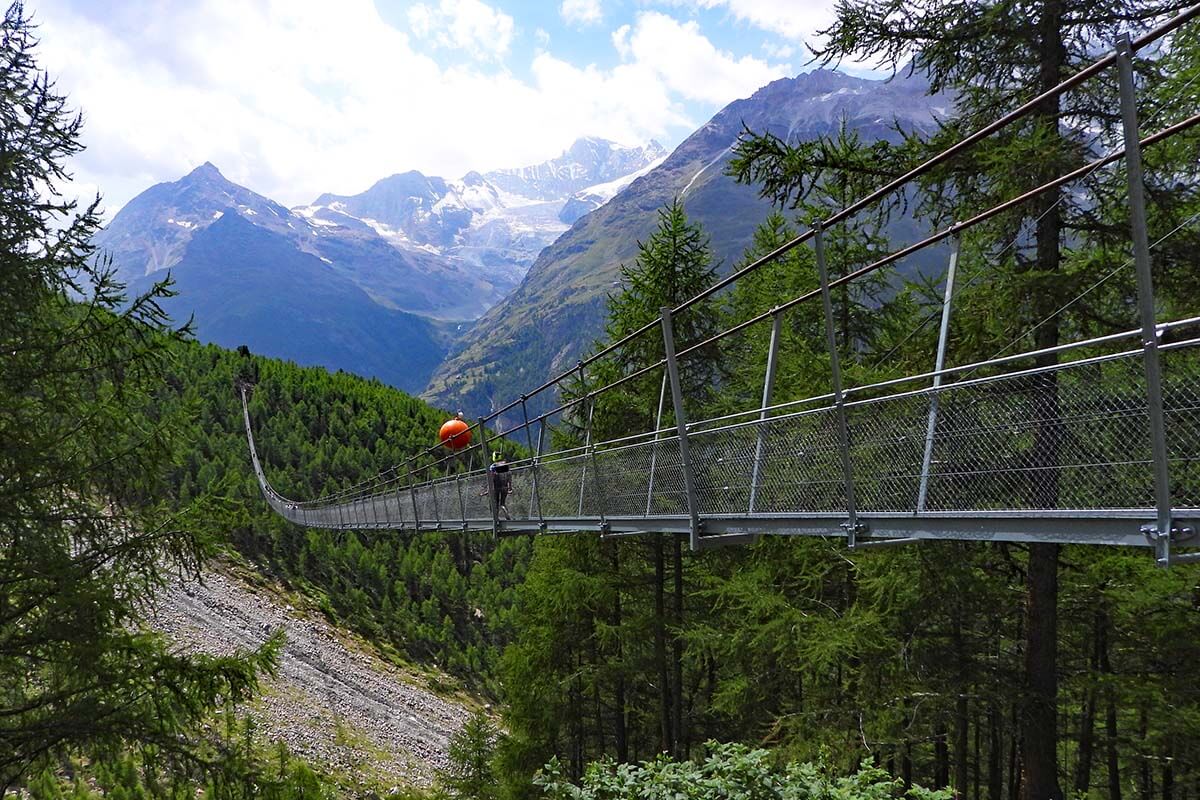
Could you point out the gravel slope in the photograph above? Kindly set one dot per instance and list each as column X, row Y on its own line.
column 337, row 707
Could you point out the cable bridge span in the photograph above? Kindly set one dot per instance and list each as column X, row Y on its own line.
column 1091, row 442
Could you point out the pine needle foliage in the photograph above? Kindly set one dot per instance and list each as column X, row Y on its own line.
column 85, row 539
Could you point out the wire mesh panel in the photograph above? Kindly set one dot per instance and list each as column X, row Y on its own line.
column 449, row 501
column 559, row 480
column 642, row 479
column 1074, row 437
column 723, row 467
column 427, row 511
column 799, row 464
column 475, row 496
column 1181, row 403
column 887, row 446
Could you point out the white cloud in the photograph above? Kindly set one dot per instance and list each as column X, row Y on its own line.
column 777, row 50
column 792, row 19
column 468, row 26
column 292, row 100
column 542, row 36
column 581, row 12
column 620, row 40
column 690, row 64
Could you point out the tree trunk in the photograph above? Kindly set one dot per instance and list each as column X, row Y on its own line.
column 1110, row 719
column 995, row 754
column 577, row 760
column 597, row 701
column 1168, row 775
column 1015, row 771
column 1039, row 735
column 660, row 645
column 961, row 728
column 1147, row 779
column 1110, row 746
column 620, row 726
column 679, row 747
column 941, row 757
column 1087, row 717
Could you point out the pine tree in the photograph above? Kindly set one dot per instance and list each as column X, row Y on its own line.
column 470, row 775
column 84, row 538
column 993, row 56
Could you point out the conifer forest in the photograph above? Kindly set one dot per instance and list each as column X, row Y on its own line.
column 630, row 667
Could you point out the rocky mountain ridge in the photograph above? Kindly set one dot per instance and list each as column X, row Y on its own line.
column 374, row 283
column 496, row 222
column 553, row 317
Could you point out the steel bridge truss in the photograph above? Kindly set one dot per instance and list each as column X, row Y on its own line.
column 1093, row 442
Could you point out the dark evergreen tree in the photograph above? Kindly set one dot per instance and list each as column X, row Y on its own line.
column 993, row 56
column 84, row 538
column 470, row 775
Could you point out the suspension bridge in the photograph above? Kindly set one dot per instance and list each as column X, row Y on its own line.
column 1091, row 442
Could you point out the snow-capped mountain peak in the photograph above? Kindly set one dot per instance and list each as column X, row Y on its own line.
column 496, row 222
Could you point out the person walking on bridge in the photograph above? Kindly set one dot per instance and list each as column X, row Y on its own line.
column 501, row 482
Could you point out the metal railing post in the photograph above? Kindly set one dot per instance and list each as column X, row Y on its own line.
column 536, row 452
column 1161, row 533
column 768, row 389
column 851, row 525
column 412, row 493
column 433, row 493
column 662, row 396
column 537, row 460
column 939, row 363
column 587, row 439
column 487, row 476
column 591, row 451
column 399, row 503
column 685, row 454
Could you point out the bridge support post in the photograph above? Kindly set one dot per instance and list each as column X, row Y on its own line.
column 662, row 396
column 591, row 449
column 685, row 454
column 535, row 497
column 1160, row 533
column 493, row 506
column 540, row 444
column 768, row 388
column 851, row 525
column 462, row 503
column 412, row 495
column 437, row 511
column 938, row 364
column 587, row 439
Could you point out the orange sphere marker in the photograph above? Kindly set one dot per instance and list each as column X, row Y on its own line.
column 455, row 434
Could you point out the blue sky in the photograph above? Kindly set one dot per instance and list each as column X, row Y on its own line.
column 297, row 97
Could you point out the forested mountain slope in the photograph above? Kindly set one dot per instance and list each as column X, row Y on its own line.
column 558, row 310
column 440, row 599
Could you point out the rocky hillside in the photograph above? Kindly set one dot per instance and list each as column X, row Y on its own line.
column 333, row 702
column 558, row 310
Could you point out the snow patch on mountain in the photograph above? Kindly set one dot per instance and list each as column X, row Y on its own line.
column 497, row 222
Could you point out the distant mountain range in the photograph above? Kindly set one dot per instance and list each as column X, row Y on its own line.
column 415, row 256
column 558, row 310
column 392, row 282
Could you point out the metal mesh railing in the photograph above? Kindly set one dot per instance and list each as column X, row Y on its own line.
column 1104, row 432
column 1067, row 437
